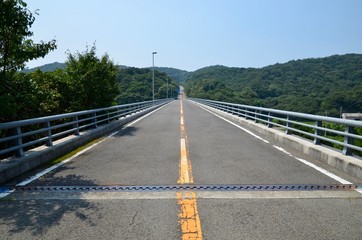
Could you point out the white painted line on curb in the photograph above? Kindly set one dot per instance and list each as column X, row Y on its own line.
column 321, row 170
column 236, row 125
column 139, row 119
column 38, row 175
column 4, row 194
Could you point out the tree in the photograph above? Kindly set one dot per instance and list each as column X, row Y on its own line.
column 15, row 46
column 93, row 81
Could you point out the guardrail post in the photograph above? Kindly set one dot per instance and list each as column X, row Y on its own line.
column 76, row 125
column 288, row 125
column 94, row 120
column 256, row 116
column 48, row 133
column 17, row 141
column 108, row 121
column 317, row 133
column 270, row 121
column 348, row 140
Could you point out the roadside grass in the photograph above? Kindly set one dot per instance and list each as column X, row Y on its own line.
column 72, row 153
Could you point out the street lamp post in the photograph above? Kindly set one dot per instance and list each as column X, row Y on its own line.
column 153, row 75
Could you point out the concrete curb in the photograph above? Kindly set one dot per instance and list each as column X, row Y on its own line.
column 17, row 166
column 348, row 164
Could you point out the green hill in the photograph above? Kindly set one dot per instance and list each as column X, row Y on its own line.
column 46, row 68
column 136, row 85
column 176, row 74
column 316, row 85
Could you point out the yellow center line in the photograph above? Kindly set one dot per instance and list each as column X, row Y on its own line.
column 184, row 164
column 189, row 215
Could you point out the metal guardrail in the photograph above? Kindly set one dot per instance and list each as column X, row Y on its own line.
column 20, row 136
column 297, row 123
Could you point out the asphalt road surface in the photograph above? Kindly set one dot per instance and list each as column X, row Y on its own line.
column 182, row 144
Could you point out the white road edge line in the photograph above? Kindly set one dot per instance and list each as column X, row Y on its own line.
column 4, row 194
column 38, row 175
column 321, row 170
column 236, row 125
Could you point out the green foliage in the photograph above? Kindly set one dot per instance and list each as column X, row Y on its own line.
column 93, row 80
column 316, row 86
column 18, row 92
column 87, row 82
column 136, row 85
column 34, row 94
column 15, row 46
column 176, row 74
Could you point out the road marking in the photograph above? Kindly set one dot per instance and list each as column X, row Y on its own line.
column 144, row 116
column 234, row 124
column 189, row 215
column 319, row 169
column 184, row 164
column 331, row 175
column 42, row 173
column 6, row 192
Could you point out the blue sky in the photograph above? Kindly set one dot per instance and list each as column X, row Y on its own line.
column 191, row 34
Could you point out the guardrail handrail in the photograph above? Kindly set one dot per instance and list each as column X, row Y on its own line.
column 273, row 117
column 42, row 130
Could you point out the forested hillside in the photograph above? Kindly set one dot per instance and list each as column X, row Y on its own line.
column 46, row 68
column 176, row 74
column 319, row 86
column 135, row 85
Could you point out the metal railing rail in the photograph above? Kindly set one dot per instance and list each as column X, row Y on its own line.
column 20, row 136
column 294, row 122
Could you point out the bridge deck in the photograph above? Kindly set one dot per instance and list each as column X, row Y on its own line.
column 183, row 145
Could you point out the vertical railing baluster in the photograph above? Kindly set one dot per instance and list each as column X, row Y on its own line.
column 17, row 142
column 348, row 140
column 317, row 133
column 288, row 125
column 108, row 120
column 94, row 120
column 270, row 120
column 48, row 133
column 76, row 125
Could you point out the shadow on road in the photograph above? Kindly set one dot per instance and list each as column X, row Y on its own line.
column 126, row 131
column 35, row 217
column 25, row 215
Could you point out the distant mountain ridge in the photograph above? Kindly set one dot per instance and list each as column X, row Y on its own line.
column 174, row 73
column 53, row 66
column 47, row 67
column 326, row 86
column 315, row 85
